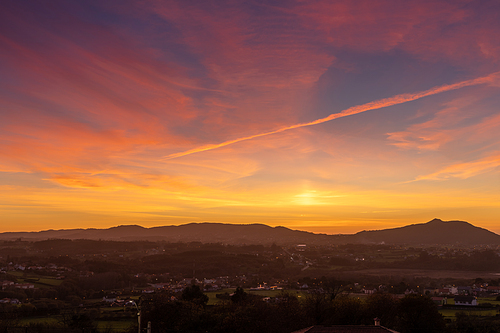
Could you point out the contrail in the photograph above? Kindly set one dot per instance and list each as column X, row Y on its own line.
column 381, row 103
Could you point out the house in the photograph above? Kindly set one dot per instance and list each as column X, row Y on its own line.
column 109, row 299
column 369, row 291
column 464, row 290
column 466, row 300
column 411, row 291
column 448, row 290
column 300, row 247
column 439, row 301
column 10, row 301
column 493, row 289
column 6, row 284
column 24, row 286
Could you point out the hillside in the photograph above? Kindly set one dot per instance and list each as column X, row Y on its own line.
column 436, row 232
column 192, row 232
column 432, row 232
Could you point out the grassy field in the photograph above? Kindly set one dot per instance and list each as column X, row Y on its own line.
column 41, row 319
column 450, row 313
column 491, row 300
column 119, row 324
column 472, row 311
column 37, row 280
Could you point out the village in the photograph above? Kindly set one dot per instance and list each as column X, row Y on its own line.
column 110, row 276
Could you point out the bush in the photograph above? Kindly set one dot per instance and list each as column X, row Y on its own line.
column 486, row 305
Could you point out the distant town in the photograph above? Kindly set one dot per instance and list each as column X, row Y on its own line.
column 102, row 285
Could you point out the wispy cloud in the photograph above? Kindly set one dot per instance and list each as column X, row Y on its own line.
column 465, row 170
column 395, row 100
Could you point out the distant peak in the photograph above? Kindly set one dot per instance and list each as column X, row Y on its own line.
column 435, row 220
column 128, row 226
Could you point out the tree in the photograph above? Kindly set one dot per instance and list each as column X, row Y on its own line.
column 465, row 323
column 239, row 295
column 83, row 321
column 346, row 311
column 382, row 306
column 419, row 314
column 332, row 287
column 317, row 306
column 194, row 294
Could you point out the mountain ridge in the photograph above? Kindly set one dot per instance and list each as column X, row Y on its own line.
column 436, row 232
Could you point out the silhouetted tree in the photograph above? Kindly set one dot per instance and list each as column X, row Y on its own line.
column 419, row 314
column 382, row 306
column 194, row 294
column 239, row 295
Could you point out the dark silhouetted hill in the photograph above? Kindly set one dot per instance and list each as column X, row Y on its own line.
column 434, row 232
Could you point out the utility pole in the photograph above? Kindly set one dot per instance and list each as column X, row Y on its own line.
column 139, row 319
column 138, row 316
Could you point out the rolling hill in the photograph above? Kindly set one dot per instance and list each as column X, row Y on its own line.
column 432, row 232
column 435, row 232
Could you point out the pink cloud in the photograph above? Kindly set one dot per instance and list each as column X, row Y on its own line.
column 374, row 105
column 431, row 30
column 262, row 62
column 80, row 110
column 93, row 102
column 458, row 120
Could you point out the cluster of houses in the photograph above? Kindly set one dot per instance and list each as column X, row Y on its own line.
column 209, row 285
column 59, row 272
column 10, row 301
column 464, row 290
column 10, row 284
column 462, row 295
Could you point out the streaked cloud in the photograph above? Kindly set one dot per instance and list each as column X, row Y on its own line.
column 399, row 99
column 466, row 169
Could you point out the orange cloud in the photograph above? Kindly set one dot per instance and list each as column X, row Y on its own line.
column 465, row 170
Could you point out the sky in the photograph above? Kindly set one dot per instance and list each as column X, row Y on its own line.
column 324, row 116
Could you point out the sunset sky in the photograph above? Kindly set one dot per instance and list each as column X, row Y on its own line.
column 325, row 116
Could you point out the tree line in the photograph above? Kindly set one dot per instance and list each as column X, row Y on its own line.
column 248, row 313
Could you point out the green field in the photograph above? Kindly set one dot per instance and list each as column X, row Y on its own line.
column 38, row 280
column 491, row 300
column 472, row 311
column 40, row 320
column 119, row 324
column 450, row 313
